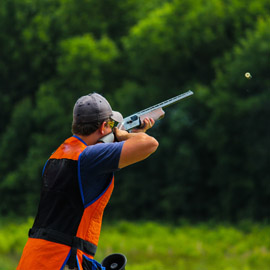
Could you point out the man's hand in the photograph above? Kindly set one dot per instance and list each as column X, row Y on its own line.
column 147, row 123
column 122, row 135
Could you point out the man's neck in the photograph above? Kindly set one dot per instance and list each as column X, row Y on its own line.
column 89, row 140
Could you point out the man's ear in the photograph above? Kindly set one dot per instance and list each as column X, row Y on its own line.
column 102, row 128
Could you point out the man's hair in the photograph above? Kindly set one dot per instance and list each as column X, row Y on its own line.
column 86, row 129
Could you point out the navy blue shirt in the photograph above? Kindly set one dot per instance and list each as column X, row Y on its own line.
column 97, row 164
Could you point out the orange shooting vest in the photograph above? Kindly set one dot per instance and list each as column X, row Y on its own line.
column 65, row 230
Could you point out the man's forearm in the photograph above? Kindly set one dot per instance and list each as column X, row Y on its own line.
column 137, row 147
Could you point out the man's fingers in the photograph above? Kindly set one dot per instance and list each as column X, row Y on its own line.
column 148, row 123
column 152, row 121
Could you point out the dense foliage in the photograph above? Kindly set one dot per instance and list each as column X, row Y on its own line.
column 213, row 159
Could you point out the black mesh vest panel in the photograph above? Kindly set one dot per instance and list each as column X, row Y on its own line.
column 61, row 206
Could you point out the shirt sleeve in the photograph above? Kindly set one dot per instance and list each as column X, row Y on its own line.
column 101, row 158
column 97, row 163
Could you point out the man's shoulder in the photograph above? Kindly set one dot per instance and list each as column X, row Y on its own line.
column 102, row 149
column 104, row 146
column 102, row 156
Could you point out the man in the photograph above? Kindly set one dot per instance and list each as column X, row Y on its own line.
column 78, row 180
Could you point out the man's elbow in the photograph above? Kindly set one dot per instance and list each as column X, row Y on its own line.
column 148, row 144
column 154, row 145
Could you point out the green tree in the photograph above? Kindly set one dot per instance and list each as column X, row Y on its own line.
column 103, row 17
column 210, row 169
column 28, row 36
column 177, row 44
column 238, row 130
column 14, row 143
column 139, row 53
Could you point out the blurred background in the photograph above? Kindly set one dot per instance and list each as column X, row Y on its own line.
column 207, row 188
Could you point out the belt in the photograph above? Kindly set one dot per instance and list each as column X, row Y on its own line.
column 73, row 241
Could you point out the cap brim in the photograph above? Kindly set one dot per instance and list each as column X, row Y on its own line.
column 117, row 116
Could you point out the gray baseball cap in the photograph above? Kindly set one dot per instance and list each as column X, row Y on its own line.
column 92, row 108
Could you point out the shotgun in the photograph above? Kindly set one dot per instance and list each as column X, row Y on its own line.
column 135, row 120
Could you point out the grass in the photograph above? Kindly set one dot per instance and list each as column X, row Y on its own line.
column 13, row 236
column 153, row 246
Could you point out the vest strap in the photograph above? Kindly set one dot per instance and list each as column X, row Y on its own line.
column 61, row 238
